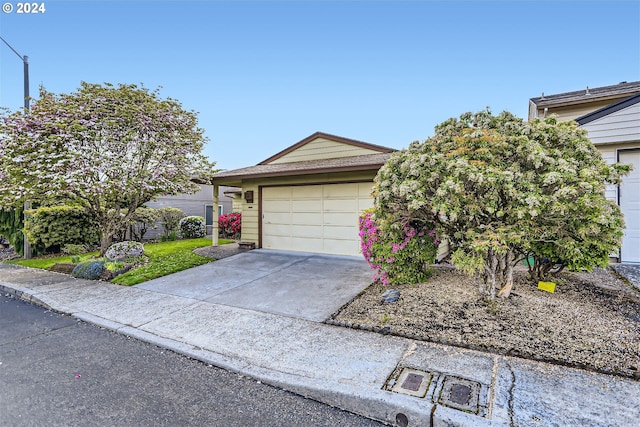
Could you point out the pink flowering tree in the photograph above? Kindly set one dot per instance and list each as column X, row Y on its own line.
column 109, row 149
column 399, row 251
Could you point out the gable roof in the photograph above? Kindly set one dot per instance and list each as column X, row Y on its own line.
column 609, row 109
column 588, row 95
column 340, row 164
column 334, row 138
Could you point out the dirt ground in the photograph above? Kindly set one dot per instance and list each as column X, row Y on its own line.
column 592, row 320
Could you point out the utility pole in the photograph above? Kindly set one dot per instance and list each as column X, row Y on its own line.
column 25, row 60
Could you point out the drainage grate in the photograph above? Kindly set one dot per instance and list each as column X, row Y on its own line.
column 440, row 388
column 413, row 382
column 459, row 393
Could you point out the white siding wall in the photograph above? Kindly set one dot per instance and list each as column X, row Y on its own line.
column 618, row 127
column 610, row 155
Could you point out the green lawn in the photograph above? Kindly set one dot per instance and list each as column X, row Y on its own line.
column 47, row 262
column 164, row 258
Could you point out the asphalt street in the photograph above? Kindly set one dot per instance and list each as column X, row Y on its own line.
column 56, row 370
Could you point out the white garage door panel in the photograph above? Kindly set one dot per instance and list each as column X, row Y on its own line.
column 342, row 205
column 306, row 191
column 308, row 205
column 280, row 229
column 338, row 233
column 364, row 189
column 340, row 190
column 630, row 206
column 306, row 218
column 304, row 244
column 340, row 218
column 280, row 217
column 364, row 204
column 281, row 206
column 319, row 218
column 307, row 231
column 339, row 247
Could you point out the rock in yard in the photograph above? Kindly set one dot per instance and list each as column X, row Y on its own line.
column 392, row 295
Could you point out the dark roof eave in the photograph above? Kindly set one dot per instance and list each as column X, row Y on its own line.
column 311, row 171
column 582, row 96
column 609, row 109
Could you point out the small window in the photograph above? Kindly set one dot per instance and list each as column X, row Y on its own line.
column 208, row 216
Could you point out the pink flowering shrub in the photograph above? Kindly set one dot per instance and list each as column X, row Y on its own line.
column 230, row 225
column 399, row 253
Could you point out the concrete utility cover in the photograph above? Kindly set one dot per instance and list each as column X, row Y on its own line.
column 303, row 285
column 413, row 382
column 460, row 393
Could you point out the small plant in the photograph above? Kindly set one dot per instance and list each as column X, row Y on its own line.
column 192, row 227
column 88, row 270
column 123, row 250
column 385, row 318
column 170, row 218
column 492, row 306
column 399, row 253
column 75, row 259
column 114, row 265
column 72, row 249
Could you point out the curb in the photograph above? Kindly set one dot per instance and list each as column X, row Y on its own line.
column 380, row 405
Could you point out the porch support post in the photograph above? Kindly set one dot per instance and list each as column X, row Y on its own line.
column 214, row 228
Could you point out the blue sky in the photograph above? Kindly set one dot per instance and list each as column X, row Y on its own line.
column 264, row 75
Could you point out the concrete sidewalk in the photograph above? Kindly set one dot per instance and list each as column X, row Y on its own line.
column 394, row 380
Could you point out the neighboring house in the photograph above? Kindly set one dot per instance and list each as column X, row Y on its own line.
column 309, row 196
column 197, row 204
column 611, row 116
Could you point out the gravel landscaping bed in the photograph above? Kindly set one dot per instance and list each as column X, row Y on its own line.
column 592, row 321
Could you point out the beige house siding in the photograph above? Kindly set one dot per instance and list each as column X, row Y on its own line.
column 250, row 211
column 572, row 111
column 236, row 204
column 322, row 148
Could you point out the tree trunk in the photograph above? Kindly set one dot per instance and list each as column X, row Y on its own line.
column 508, row 275
column 105, row 241
column 490, row 274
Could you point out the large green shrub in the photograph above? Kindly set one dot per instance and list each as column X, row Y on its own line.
column 192, row 227
column 50, row 228
column 143, row 218
column 11, row 227
column 500, row 188
column 170, row 218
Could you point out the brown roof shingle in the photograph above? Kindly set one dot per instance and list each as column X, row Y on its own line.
column 341, row 164
column 588, row 94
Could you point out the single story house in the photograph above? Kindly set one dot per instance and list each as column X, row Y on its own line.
column 307, row 197
column 611, row 116
column 199, row 203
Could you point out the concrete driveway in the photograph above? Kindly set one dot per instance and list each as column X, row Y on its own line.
column 294, row 284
